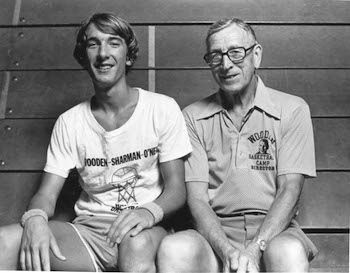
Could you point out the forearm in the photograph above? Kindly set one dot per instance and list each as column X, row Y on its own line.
column 40, row 201
column 281, row 212
column 173, row 195
column 208, row 224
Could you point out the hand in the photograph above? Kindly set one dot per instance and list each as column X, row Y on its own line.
column 37, row 240
column 242, row 261
column 133, row 221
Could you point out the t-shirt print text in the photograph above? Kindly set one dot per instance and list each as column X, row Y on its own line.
column 262, row 160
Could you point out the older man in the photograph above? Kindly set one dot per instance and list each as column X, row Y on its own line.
column 243, row 202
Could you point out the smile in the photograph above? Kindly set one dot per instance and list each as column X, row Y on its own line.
column 104, row 67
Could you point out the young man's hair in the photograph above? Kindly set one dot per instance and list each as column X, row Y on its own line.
column 224, row 23
column 111, row 24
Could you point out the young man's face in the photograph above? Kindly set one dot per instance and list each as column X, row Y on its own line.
column 234, row 77
column 106, row 57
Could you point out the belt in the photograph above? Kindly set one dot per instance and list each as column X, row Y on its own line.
column 242, row 213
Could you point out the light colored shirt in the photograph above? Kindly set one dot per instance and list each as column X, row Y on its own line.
column 241, row 167
column 118, row 169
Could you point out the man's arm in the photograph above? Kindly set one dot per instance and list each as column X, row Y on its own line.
column 279, row 216
column 171, row 199
column 37, row 238
column 208, row 224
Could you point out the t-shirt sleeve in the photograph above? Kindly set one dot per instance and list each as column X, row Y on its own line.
column 59, row 158
column 196, row 164
column 174, row 142
column 297, row 152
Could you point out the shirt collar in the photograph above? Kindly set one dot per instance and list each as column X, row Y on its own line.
column 262, row 101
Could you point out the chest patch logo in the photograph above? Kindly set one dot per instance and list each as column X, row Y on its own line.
column 124, row 181
column 262, row 158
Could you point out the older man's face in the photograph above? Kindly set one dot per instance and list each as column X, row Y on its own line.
column 234, row 78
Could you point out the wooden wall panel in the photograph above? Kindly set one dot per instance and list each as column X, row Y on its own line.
column 23, row 146
column 52, row 48
column 16, row 192
column 5, row 47
column 333, row 252
column 46, row 94
column 324, row 201
column 332, row 143
column 7, row 12
column 317, row 46
column 21, row 187
column 66, row 11
column 24, row 143
column 326, row 91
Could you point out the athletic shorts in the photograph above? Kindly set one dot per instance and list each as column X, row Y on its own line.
column 241, row 229
column 92, row 230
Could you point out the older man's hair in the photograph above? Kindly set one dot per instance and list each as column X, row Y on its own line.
column 224, row 23
column 111, row 24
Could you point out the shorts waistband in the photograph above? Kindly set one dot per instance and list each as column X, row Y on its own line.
column 241, row 213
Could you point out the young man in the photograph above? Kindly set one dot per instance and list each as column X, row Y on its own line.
column 127, row 145
column 243, row 202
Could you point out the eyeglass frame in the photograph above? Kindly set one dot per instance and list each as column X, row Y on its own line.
column 226, row 53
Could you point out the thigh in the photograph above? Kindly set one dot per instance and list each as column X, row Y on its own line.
column 10, row 242
column 72, row 247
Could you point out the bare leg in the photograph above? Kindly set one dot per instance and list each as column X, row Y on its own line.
column 71, row 246
column 285, row 253
column 10, row 241
column 138, row 254
column 186, row 251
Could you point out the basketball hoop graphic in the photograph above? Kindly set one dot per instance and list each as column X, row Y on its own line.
column 124, row 181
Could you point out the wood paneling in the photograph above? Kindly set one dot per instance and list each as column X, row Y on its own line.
column 52, row 48
column 324, row 201
column 46, row 94
column 16, row 192
column 284, row 46
column 5, row 47
column 24, row 143
column 326, row 91
column 66, row 11
column 7, row 11
column 18, row 188
column 333, row 252
column 332, row 143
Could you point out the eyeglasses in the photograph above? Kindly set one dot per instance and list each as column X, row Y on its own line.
column 236, row 55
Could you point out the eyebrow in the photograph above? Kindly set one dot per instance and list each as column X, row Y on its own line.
column 110, row 38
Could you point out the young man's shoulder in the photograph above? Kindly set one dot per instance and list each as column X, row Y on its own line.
column 76, row 112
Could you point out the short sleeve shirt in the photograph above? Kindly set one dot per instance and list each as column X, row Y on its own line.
column 241, row 167
column 118, row 169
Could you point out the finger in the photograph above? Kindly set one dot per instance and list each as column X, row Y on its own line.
column 252, row 268
column 22, row 260
column 28, row 261
column 125, row 228
column 36, row 260
column 45, row 259
column 136, row 230
column 113, row 228
column 234, row 260
column 242, row 265
column 226, row 268
column 55, row 249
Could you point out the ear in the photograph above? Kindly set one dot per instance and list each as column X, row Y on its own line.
column 128, row 62
column 257, row 55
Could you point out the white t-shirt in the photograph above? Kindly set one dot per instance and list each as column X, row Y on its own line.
column 118, row 169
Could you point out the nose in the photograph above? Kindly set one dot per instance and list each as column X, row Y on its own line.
column 103, row 51
column 226, row 62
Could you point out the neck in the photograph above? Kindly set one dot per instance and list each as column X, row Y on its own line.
column 113, row 99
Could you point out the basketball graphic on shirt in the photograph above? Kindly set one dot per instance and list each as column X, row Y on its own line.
column 124, row 181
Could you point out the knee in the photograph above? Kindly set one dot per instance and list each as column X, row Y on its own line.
column 178, row 251
column 287, row 252
column 5, row 240
column 134, row 254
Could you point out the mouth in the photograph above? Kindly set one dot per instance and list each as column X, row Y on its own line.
column 103, row 67
column 228, row 77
